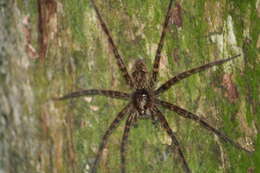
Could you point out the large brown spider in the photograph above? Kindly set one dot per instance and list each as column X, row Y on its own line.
column 144, row 101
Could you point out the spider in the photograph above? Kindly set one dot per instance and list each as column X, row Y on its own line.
column 144, row 101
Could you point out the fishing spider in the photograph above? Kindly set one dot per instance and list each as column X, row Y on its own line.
column 144, row 101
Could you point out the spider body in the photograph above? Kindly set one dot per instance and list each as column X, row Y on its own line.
column 142, row 97
column 144, row 101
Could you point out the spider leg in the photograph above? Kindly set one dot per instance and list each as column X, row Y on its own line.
column 160, row 46
column 119, row 59
column 108, row 132
column 129, row 122
column 169, row 131
column 91, row 92
column 190, row 72
column 186, row 114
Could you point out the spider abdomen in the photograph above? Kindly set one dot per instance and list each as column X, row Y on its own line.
column 139, row 74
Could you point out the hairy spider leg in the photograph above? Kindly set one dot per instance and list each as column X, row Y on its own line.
column 156, row 64
column 176, row 143
column 186, row 114
column 129, row 123
column 164, row 87
column 108, row 132
column 119, row 59
column 92, row 92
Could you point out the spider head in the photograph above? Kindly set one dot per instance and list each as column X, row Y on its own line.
column 140, row 74
column 142, row 100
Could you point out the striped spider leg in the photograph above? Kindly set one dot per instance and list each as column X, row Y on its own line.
column 126, row 110
column 164, row 87
column 186, row 114
column 119, row 59
column 175, row 142
column 131, row 120
column 155, row 70
column 93, row 92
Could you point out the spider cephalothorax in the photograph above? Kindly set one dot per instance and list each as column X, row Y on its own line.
column 142, row 100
